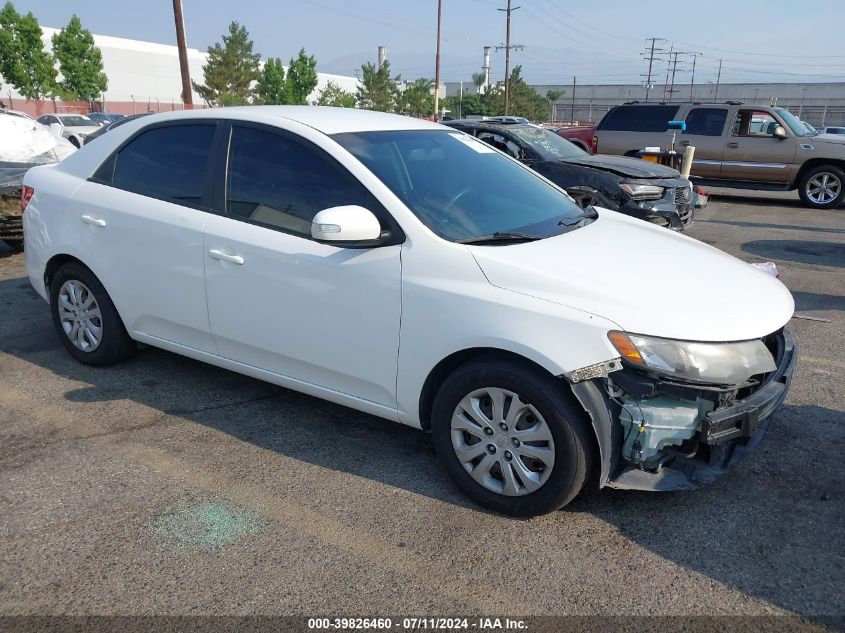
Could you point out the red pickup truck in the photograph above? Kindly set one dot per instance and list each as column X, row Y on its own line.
column 580, row 135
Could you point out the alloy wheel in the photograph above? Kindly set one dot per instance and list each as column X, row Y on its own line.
column 823, row 188
column 502, row 441
column 80, row 315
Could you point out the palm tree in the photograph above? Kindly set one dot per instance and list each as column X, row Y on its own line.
column 479, row 79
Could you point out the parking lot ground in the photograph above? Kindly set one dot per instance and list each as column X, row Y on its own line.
column 165, row 486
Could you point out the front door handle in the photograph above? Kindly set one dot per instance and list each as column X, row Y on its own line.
column 222, row 256
column 733, row 145
column 90, row 219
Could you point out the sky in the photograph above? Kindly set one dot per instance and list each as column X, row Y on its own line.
column 598, row 41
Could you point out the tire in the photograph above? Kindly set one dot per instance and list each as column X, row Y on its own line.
column 541, row 400
column 15, row 245
column 822, row 187
column 102, row 328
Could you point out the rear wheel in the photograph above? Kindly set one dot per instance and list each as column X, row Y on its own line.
column 85, row 317
column 510, row 439
column 822, row 187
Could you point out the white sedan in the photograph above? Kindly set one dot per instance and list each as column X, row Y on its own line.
column 412, row 272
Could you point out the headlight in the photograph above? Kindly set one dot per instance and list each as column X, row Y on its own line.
column 719, row 363
column 642, row 192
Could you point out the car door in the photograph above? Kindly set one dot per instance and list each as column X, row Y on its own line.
column 140, row 223
column 316, row 313
column 705, row 130
column 754, row 153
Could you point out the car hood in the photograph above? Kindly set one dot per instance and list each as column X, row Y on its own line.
column 646, row 279
column 80, row 129
column 838, row 139
column 624, row 166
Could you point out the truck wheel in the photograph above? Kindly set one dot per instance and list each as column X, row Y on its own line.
column 822, row 187
column 510, row 439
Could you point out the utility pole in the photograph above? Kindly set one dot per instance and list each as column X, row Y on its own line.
column 437, row 64
column 692, row 81
column 507, row 48
column 187, row 97
column 651, row 58
column 572, row 114
column 666, row 82
column 718, row 77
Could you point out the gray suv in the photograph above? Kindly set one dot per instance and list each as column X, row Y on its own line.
column 736, row 145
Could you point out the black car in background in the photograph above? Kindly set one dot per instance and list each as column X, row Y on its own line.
column 110, row 126
column 639, row 188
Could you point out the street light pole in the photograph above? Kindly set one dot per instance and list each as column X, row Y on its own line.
column 437, row 64
column 507, row 48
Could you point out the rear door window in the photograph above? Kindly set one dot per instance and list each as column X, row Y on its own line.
column 639, row 118
column 169, row 163
column 706, row 121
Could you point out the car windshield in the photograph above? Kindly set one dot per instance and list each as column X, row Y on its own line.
column 462, row 189
column 76, row 120
column 794, row 123
column 546, row 143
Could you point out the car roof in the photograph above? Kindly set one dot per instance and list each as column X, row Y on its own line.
column 493, row 125
column 324, row 119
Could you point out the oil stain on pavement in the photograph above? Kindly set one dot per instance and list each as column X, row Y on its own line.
column 207, row 526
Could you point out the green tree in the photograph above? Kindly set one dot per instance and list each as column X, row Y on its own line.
column 377, row 90
column 417, row 99
column 334, row 95
column 80, row 62
column 302, row 78
column 524, row 100
column 553, row 96
column 23, row 61
column 231, row 69
column 272, row 87
column 478, row 80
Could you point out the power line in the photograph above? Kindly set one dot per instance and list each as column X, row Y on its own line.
column 652, row 53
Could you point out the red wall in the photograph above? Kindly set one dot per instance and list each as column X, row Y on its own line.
column 37, row 107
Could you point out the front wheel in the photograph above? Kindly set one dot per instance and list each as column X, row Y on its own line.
column 822, row 187
column 510, row 439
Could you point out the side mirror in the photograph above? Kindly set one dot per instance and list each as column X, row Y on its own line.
column 779, row 132
column 349, row 223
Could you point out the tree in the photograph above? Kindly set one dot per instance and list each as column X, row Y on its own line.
column 478, row 79
column 524, row 100
column 334, row 95
column 23, row 61
column 417, row 98
column 302, row 78
column 552, row 96
column 80, row 62
column 230, row 70
column 272, row 87
column 377, row 91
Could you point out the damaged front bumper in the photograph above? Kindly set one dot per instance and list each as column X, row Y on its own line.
column 725, row 434
column 675, row 210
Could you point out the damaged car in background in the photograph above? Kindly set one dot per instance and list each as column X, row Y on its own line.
column 644, row 190
column 411, row 271
column 25, row 144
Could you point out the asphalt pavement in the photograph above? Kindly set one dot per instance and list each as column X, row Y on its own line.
column 166, row 486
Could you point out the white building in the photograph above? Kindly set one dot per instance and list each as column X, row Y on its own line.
column 144, row 76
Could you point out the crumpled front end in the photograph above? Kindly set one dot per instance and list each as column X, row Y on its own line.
column 675, row 209
column 662, row 434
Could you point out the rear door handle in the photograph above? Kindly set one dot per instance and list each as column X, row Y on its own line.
column 733, row 145
column 684, row 143
column 90, row 219
column 232, row 259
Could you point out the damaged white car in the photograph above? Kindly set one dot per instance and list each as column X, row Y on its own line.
column 412, row 272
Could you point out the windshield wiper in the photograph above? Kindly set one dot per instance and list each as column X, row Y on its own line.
column 501, row 236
